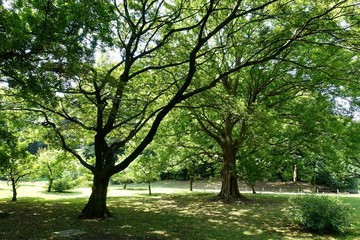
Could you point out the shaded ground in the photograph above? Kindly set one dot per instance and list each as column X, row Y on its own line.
column 74, row 234
column 172, row 212
column 161, row 217
column 98, row 236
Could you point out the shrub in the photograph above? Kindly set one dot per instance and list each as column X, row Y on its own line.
column 334, row 182
column 320, row 214
column 63, row 184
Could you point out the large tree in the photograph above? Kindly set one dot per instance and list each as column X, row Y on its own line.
column 247, row 107
column 165, row 54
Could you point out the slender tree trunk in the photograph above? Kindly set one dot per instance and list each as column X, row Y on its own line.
column 13, row 185
column 96, row 206
column 229, row 186
column 191, row 183
column 253, row 189
column 125, row 185
column 295, row 174
column 51, row 180
column 149, row 187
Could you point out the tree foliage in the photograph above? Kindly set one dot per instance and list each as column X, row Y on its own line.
column 166, row 53
column 56, row 166
column 15, row 162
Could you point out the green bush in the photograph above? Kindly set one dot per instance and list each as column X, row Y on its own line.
column 63, row 184
column 334, row 182
column 320, row 214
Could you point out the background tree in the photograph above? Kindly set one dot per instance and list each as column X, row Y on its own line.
column 188, row 153
column 242, row 100
column 56, row 165
column 125, row 177
column 15, row 161
column 146, row 169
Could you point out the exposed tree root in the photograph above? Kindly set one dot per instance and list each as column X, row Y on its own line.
column 89, row 214
column 229, row 199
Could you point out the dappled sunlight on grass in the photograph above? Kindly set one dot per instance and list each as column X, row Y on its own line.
column 161, row 216
column 160, row 233
column 233, row 218
column 253, row 231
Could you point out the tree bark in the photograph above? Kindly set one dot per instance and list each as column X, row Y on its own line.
column 96, row 205
column 191, row 183
column 149, row 187
column 229, row 192
column 13, row 185
column 51, row 180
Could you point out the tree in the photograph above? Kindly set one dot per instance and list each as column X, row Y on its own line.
column 166, row 54
column 32, row 31
column 146, row 169
column 15, row 162
column 188, row 153
column 54, row 165
column 242, row 101
column 18, row 166
column 125, row 177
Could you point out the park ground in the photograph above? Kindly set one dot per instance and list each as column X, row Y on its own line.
column 171, row 212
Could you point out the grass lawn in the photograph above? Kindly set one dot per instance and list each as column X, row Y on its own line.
column 160, row 216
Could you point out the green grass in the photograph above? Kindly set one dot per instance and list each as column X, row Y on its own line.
column 163, row 216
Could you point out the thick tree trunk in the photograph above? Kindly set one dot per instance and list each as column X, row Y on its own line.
column 96, row 206
column 13, row 185
column 229, row 186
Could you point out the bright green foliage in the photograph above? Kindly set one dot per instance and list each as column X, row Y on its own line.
column 188, row 152
column 58, row 167
column 166, row 52
column 123, row 177
column 16, row 163
column 64, row 184
column 147, row 168
column 321, row 214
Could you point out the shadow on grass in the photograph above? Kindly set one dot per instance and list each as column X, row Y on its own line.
column 161, row 216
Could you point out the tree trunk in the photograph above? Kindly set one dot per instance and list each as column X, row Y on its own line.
column 96, row 206
column 253, row 189
column 295, row 174
column 191, row 183
column 149, row 187
column 229, row 186
column 125, row 185
column 13, row 185
column 51, row 180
